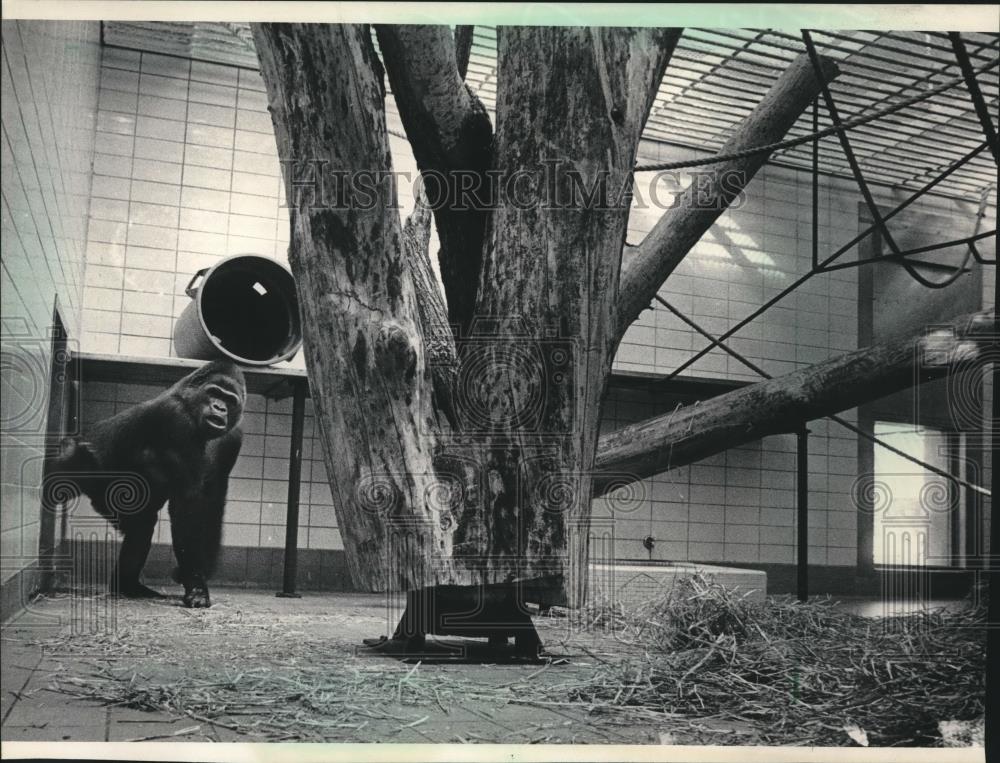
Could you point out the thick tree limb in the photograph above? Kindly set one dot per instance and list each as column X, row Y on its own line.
column 369, row 372
column 571, row 106
column 463, row 48
column 784, row 403
column 682, row 226
column 451, row 135
column 439, row 341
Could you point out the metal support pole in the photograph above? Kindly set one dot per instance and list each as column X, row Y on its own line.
column 815, row 187
column 294, row 486
column 982, row 110
column 992, row 565
column 802, row 557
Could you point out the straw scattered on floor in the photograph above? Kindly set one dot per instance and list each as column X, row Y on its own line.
column 795, row 673
column 703, row 665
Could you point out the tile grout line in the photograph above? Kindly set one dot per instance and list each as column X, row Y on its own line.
column 19, row 692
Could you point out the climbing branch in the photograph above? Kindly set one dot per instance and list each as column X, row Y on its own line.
column 682, row 226
column 785, row 403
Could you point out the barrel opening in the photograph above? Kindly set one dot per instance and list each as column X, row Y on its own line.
column 246, row 308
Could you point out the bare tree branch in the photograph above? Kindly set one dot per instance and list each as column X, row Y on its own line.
column 463, row 48
column 439, row 341
column 451, row 136
column 782, row 404
column 682, row 226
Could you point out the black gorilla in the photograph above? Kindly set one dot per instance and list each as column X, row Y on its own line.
column 179, row 448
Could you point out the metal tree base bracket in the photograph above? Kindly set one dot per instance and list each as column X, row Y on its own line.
column 463, row 611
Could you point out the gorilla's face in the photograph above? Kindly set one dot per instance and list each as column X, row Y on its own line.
column 212, row 397
column 221, row 407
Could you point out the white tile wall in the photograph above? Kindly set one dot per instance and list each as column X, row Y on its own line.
column 50, row 72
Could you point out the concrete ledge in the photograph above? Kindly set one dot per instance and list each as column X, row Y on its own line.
column 631, row 584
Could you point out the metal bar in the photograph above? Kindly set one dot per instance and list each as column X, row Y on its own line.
column 717, row 65
column 294, row 486
column 876, row 85
column 802, row 279
column 979, row 258
column 793, row 159
column 955, row 551
column 839, row 127
column 59, row 422
column 845, row 144
column 909, row 252
column 977, row 96
column 868, row 140
column 815, row 187
column 782, row 41
column 993, row 564
column 869, row 85
column 903, row 454
column 943, row 46
column 802, row 514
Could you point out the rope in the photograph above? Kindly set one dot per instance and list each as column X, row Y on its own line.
column 850, row 124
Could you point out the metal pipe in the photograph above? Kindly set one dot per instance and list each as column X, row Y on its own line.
column 832, row 417
column 815, row 187
column 802, row 514
column 982, row 111
column 294, row 486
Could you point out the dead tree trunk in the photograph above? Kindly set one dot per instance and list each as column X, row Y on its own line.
column 484, row 488
column 371, row 383
column 463, row 454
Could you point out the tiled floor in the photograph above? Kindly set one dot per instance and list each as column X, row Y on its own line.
column 37, row 656
column 60, row 644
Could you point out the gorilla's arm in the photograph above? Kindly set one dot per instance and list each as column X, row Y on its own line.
column 196, row 519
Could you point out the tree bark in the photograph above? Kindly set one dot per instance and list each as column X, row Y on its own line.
column 371, row 381
column 682, row 226
column 473, row 493
column 450, row 133
column 463, row 48
column 571, row 109
column 784, row 403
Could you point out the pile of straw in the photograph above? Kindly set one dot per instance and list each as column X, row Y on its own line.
column 796, row 673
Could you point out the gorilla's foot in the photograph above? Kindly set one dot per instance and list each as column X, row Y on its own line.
column 135, row 591
column 197, row 598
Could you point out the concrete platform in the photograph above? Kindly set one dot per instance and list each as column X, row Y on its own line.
column 632, row 584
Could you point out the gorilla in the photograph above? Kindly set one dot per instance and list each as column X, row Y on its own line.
column 177, row 448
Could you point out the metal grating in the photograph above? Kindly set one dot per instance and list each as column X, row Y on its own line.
column 717, row 76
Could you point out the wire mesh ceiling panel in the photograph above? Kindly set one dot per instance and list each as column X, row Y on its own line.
column 717, row 76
